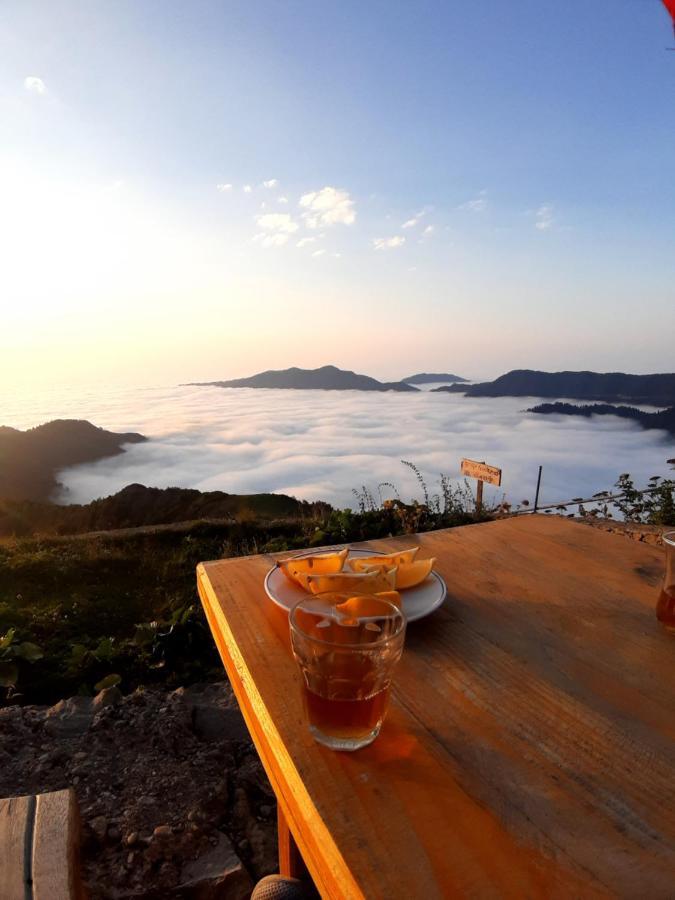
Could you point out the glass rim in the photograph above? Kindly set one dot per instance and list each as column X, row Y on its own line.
column 361, row 647
column 669, row 538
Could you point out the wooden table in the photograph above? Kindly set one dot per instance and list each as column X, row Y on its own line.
column 530, row 747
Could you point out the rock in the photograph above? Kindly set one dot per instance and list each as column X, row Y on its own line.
column 264, row 850
column 216, row 874
column 132, row 839
column 162, row 831
column 107, row 697
column 99, row 826
column 212, row 723
column 69, row 718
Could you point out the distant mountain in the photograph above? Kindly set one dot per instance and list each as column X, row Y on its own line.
column 30, row 459
column 137, row 505
column 664, row 419
column 327, row 378
column 427, row 378
column 610, row 387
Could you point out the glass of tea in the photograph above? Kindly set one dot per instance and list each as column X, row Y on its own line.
column 347, row 648
column 665, row 607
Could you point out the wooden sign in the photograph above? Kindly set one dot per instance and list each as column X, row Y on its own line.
column 481, row 471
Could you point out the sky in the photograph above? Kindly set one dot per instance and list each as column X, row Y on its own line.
column 194, row 191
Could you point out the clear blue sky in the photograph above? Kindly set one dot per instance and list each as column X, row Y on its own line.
column 527, row 147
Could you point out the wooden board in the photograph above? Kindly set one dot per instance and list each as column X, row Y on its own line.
column 481, row 471
column 56, row 847
column 16, row 825
column 529, row 749
column 39, row 843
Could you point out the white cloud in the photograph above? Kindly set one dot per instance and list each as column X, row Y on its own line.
column 337, row 255
column 477, row 205
column 280, row 222
column 223, row 188
column 282, row 199
column 306, row 240
column 318, row 252
column 545, row 218
column 415, row 220
column 247, row 188
column 389, row 243
column 329, row 206
column 274, row 239
column 429, row 230
column 273, row 182
column 34, row 84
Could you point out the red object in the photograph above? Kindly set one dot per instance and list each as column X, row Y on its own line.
column 670, row 6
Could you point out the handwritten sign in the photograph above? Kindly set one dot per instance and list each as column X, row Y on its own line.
column 481, row 471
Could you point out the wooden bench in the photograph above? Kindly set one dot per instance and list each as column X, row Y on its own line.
column 39, row 847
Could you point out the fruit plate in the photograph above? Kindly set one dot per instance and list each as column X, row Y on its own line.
column 417, row 602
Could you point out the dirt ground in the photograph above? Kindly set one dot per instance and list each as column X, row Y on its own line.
column 173, row 799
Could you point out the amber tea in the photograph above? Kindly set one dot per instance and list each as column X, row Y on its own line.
column 346, row 718
column 347, row 648
column 665, row 605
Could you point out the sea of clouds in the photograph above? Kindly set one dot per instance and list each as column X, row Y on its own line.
column 319, row 445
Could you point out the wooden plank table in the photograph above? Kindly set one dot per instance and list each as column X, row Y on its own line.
column 529, row 750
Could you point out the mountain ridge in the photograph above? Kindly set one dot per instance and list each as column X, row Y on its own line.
column 325, row 378
column 665, row 419
column 431, row 378
column 609, row 387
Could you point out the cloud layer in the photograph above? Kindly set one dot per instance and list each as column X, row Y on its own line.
column 320, row 445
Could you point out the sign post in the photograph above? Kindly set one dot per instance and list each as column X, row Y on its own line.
column 483, row 473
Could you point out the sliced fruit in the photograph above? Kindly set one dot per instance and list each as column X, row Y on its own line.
column 410, row 574
column 297, row 569
column 360, row 563
column 363, row 606
column 354, row 582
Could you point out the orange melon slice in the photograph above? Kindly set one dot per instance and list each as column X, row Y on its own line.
column 360, row 563
column 297, row 570
column 360, row 606
column 354, row 582
column 410, row 574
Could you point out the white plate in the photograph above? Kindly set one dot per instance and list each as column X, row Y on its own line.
column 417, row 601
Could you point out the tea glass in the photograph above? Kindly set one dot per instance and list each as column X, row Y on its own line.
column 347, row 648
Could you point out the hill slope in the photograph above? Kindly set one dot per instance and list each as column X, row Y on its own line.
column 326, row 378
column 137, row 505
column 609, row 387
column 30, row 459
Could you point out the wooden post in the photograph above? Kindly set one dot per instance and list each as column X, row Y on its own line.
column 482, row 473
column 536, row 496
column 291, row 863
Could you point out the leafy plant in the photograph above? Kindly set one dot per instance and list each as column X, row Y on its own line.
column 12, row 654
column 655, row 507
